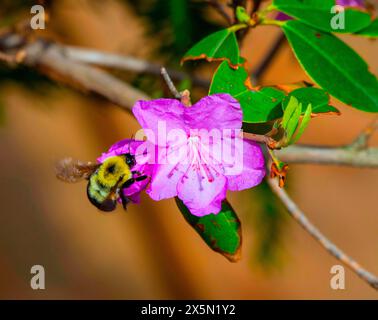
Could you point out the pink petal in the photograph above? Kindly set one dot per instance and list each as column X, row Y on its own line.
column 252, row 168
column 154, row 114
column 218, row 111
column 164, row 180
column 121, row 147
column 201, row 196
column 351, row 3
column 133, row 192
column 136, row 187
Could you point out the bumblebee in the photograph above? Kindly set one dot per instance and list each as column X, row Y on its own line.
column 105, row 181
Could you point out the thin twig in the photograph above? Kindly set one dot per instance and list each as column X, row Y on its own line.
column 270, row 142
column 306, row 224
column 170, row 83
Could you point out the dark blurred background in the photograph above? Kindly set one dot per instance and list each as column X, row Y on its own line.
column 149, row 252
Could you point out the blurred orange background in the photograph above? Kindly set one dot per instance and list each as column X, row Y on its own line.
column 149, row 252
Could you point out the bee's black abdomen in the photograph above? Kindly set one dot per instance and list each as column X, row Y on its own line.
column 106, row 205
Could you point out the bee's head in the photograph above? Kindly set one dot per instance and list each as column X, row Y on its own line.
column 130, row 159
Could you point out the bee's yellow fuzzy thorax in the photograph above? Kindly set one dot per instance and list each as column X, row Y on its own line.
column 113, row 171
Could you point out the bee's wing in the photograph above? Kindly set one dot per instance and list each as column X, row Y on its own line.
column 70, row 170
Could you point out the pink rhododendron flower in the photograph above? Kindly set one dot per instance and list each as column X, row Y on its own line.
column 130, row 146
column 210, row 156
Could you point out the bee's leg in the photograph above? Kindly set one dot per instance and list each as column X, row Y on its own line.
column 141, row 178
column 137, row 174
column 124, row 200
column 128, row 183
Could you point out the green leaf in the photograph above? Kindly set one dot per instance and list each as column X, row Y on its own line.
column 242, row 15
column 304, row 123
column 333, row 65
column 289, row 110
column 262, row 105
column 318, row 15
column 221, row 232
column 291, row 117
column 258, row 105
column 307, row 95
column 371, row 31
column 318, row 98
column 228, row 80
column 221, row 45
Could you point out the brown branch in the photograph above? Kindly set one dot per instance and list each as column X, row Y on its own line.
column 127, row 63
column 52, row 60
column 306, row 224
column 268, row 141
column 347, row 156
column 356, row 154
